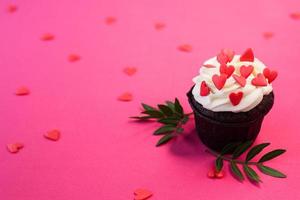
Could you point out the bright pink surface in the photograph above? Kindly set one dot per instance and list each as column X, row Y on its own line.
column 102, row 155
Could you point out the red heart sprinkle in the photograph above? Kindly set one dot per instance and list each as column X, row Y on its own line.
column 12, row 8
column 47, row 37
column 246, row 70
column 15, row 147
column 247, row 56
column 185, row 48
column 240, row 80
column 229, row 53
column 259, row 80
column 268, row 35
column 295, row 15
column 219, row 81
column 73, row 58
column 142, row 194
column 222, row 58
column 53, row 135
column 110, row 20
column 21, row 91
column 227, row 70
column 235, row 98
column 127, row 96
column 209, row 66
column 130, row 70
column 159, row 26
column 270, row 75
column 204, row 90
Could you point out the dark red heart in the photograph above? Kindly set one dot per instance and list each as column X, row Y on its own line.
column 247, row 56
column 259, row 80
column 222, row 58
column 235, row 98
column 219, row 80
column 227, row 70
column 240, row 80
column 246, row 70
column 204, row 90
column 229, row 53
column 270, row 75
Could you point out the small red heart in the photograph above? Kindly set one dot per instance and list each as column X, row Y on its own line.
column 235, row 98
column 15, row 147
column 110, row 20
column 227, row 70
column 159, row 26
column 73, row 58
column 52, row 135
column 130, row 70
column 219, row 81
column 127, row 96
column 295, row 15
column 259, row 80
column 246, row 70
column 270, row 75
column 21, row 91
column 142, row 194
column 185, row 48
column 240, row 80
column 222, row 58
column 247, row 56
column 204, row 90
column 47, row 37
column 209, row 66
column 268, row 35
column 229, row 53
column 12, row 8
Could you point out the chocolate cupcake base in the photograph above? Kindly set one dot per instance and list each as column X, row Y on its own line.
column 217, row 129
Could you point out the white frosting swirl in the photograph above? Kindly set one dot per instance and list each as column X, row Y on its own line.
column 218, row 100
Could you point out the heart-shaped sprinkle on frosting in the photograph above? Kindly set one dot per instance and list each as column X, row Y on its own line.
column 259, row 80
column 204, row 89
column 240, row 80
column 270, row 75
column 219, row 80
column 245, row 71
column 228, row 70
column 235, row 98
column 247, row 56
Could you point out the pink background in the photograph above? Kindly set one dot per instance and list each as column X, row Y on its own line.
column 102, row 155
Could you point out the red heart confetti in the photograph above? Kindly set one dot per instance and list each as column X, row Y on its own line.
column 240, row 80
column 22, row 91
column 159, row 26
column 268, row 35
column 12, row 8
column 209, row 66
column 270, row 75
column 110, row 20
column 295, row 15
column 15, row 147
column 47, row 37
column 247, row 56
column 219, row 81
column 227, row 70
column 142, row 194
column 53, row 135
column 222, row 58
column 259, row 80
column 246, row 70
column 204, row 89
column 126, row 96
column 73, row 57
column 235, row 98
column 185, row 48
column 130, row 70
column 229, row 53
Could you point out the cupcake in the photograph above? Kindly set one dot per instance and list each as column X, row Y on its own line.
column 230, row 98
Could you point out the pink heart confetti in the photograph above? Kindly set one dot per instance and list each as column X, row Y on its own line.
column 185, row 48
column 22, row 91
column 126, row 96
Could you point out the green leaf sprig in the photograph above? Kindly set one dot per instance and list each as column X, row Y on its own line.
column 232, row 152
column 172, row 117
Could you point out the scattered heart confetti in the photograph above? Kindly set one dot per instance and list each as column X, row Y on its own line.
column 15, row 147
column 219, row 81
column 270, row 75
column 12, row 8
column 204, row 89
column 228, row 70
column 185, row 48
column 110, row 20
column 268, row 35
column 259, row 80
column 142, row 194
column 73, row 57
column 240, row 80
column 127, row 96
column 209, row 66
column 247, row 56
column 229, row 53
column 130, row 70
column 53, row 135
column 295, row 15
column 159, row 26
column 222, row 58
column 47, row 37
column 246, row 70
column 235, row 98
column 22, row 91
